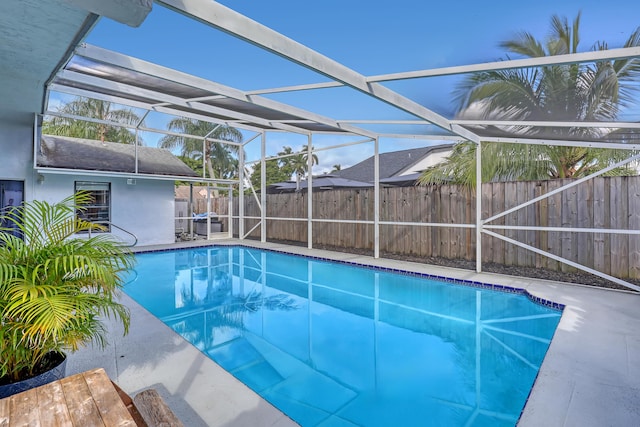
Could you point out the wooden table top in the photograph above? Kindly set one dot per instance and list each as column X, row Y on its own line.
column 88, row 399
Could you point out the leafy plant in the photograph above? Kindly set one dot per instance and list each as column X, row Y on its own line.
column 55, row 286
column 584, row 92
column 106, row 130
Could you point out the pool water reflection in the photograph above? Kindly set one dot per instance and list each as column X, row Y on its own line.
column 337, row 345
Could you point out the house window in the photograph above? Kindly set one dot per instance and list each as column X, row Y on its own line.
column 99, row 209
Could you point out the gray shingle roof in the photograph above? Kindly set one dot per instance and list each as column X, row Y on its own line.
column 391, row 164
column 85, row 154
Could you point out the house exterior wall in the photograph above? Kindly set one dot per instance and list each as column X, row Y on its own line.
column 16, row 160
column 431, row 159
column 145, row 209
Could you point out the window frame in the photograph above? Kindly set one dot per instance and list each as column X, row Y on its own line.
column 95, row 212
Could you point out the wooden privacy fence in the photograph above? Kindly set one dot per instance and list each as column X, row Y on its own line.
column 612, row 202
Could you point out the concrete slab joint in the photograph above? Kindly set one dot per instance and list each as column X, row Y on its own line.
column 130, row 12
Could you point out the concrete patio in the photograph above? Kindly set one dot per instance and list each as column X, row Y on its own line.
column 590, row 376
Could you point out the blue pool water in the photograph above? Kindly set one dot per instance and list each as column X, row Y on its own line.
column 338, row 345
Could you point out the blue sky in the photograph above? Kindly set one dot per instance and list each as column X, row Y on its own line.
column 371, row 37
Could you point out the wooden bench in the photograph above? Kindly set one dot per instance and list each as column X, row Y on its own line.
column 148, row 409
column 86, row 399
column 154, row 410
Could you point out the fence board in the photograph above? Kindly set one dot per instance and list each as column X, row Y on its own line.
column 600, row 203
column 425, row 216
column 619, row 219
column 470, row 233
column 522, row 220
column 488, row 245
column 634, row 224
column 554, row 214
column 541, row 220
column 531, row 236
column 404, row 213
column 445, row 232
column 498, row 205
column 385, row 230
column 455, row 217
column 413, row 214
column 511, row 199
column 585, row 220
column 569, row 217
column 600, row 215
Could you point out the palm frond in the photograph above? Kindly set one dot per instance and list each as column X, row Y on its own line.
column 565, row 92
column 55, row 287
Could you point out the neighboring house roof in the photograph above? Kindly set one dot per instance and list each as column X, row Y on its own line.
column 401, row 180
column 320, row 182
column 393, row 163
column 85, row 154
column 397, row 168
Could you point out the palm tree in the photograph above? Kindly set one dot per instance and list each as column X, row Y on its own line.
column 274, row 173
column 56, row 289
column 336, row 168
column 567, row 92
column 286, row 164
column 219, row 160
column 95, row 109
column 300, row 163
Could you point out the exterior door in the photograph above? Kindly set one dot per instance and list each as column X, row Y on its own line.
column 11, row 194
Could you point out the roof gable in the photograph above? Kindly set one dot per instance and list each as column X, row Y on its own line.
column 391, row 163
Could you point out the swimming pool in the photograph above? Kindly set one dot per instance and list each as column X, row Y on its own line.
column 332, row 344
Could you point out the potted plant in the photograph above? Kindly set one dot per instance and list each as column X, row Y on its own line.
column 56, row 286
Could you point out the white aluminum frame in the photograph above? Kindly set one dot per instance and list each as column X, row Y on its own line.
column 239, row 26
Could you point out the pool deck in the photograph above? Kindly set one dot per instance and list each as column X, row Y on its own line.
column 590, row 376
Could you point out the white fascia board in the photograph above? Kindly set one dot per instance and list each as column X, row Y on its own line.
column 251, row 31
column 564, row 143
column 139, row 65
column 108, row 174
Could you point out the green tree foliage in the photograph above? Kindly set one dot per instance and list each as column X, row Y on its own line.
column 567, row 92
column 195, row 165
column 286, row 163
column 275, row 173
column 300, row 163
column 280, row 170
column 220, row 159
column 95, row 109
